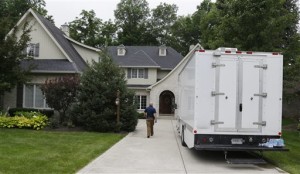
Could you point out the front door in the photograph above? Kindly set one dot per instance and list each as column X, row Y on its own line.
column 166, row 102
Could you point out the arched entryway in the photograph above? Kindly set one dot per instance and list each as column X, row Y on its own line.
column 166, row 103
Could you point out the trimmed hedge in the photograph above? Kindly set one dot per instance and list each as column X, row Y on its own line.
column 47, row 112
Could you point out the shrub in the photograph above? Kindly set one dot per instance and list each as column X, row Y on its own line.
column 61, row 93
column 141, row 115
column 48, row 112
column 37, row 121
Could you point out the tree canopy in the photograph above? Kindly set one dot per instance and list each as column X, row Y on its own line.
column 11, row 47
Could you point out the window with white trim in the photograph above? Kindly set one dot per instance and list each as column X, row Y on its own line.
column 140, row 73
column 33, row 97
column 33, row 50
column 141, row 101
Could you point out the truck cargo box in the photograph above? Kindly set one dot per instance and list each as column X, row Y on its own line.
column 231, row 99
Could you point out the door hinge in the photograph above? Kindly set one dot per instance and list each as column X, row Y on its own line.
column 263, row 123
column 214, row 65
column 213, row 122
column 264, row 66
column 261, row 95
column 214, row 93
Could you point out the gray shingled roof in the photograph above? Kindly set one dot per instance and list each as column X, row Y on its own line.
column 49, row 65
column 146, row 56
column 79, row 64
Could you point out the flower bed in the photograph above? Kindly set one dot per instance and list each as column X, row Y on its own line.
column 27, row 120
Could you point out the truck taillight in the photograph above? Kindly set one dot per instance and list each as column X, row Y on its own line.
column 195, row 131
column 238, row 52
column 279, row 133
column 227, row 51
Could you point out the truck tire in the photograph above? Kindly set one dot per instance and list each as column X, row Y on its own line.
column 182, row 137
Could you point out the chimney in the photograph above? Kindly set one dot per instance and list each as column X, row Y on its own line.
column 191, row 47
column 65, row 28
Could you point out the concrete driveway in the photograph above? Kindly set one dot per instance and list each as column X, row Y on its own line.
column 163, row 153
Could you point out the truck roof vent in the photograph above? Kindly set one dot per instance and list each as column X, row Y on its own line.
column 224, row 49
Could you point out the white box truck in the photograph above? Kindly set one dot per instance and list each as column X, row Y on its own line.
column 230, row 100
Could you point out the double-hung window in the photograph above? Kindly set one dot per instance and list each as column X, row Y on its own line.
column 32, row 50
column 141, row 101
column 141, row 73
column 33, row 97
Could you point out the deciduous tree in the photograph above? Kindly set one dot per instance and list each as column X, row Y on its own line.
column 11, row 46
column 162, row 19
column 61, row 93
column 131, row 19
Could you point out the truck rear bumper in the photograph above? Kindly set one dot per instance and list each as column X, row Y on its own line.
column 237, row 148
column 219, row 142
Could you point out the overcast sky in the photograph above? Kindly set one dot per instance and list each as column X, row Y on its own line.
column 66, row 10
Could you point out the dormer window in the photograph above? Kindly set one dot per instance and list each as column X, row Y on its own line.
column 33, row 50
column 121, row 50
column 162, row 50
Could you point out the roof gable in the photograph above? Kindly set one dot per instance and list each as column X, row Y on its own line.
column 57, row 36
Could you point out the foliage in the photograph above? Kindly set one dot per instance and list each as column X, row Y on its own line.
column 15, row 9
column 131, row 18
column 32, row 120
column 11, row 56
column 11, row 47
column 90, row 30
column 61, row 93
column 141, row 116
column 47, row 112
column 38, row 152
column 162, row 19
column 96, row 109
column 288, row 161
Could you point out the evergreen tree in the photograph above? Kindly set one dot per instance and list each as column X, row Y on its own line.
column 96, row 108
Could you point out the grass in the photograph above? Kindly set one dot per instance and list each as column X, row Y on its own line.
column 288, row 161
column 288, row 121
column 28, row 151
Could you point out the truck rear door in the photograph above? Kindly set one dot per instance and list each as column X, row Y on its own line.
column 238, row 100
column 250, row 90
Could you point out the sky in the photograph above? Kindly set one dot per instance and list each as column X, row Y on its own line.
column 67, row 10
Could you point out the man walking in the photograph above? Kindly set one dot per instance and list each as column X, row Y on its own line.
column 150, row 114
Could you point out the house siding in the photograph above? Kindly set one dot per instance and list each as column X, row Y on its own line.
column 162, row 73
column 48, row 49
column 152, row 76
column 168, row 84
column 88, row 55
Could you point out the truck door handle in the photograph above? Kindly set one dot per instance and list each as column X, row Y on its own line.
column 241, row 107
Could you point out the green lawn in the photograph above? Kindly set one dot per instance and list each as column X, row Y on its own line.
column 28, row 151
column 288, row 161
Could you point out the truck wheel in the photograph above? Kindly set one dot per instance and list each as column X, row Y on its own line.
column 182, row 137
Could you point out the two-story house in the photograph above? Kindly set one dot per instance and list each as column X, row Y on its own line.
column 56, row 54
column 145, row 66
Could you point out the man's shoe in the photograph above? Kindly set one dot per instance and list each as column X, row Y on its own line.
column 148, row 136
